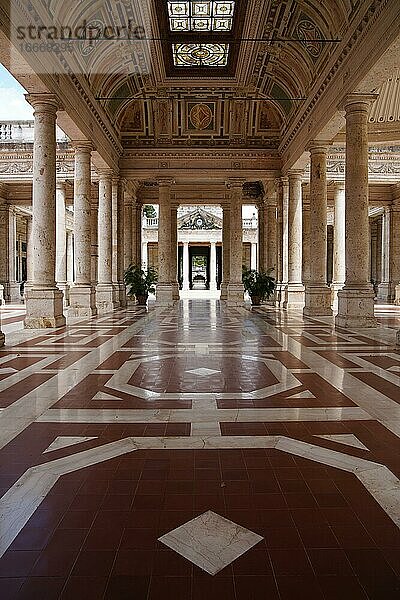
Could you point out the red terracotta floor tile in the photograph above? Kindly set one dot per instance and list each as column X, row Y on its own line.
column 88, row 588
column 38, row 588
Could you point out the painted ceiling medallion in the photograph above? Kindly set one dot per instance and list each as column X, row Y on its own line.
column 200, row 116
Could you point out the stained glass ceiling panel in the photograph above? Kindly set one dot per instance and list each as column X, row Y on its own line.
column 200, row 55
column 195, row 15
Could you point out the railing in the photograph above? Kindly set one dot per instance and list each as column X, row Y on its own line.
column 153, row 223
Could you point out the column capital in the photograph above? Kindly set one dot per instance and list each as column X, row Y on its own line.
column 357, row 102
column 105, row 174
column 44, row 103
column 82, row 146
column 339, row 185
column 61, row 185
column 295, row 175
column 281, row 182
column 318, row 147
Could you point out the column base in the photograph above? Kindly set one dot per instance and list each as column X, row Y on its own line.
column 385, row 293
column 224, row 291
column 82, row 301
column 122, row 296
column 105, row 294
column 2, row 301
column 293, row 296
column 235, row 294
column 397, row 295
column 15, row 292
column 280, row 294
column 175, row 290
column 165, row 294
column 355, row 308
column 44, row 308
column 116, row 300
column 64, row 288
column 335, row 288
column 317, row 301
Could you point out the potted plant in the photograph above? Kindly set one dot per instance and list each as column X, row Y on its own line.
column 140, row 283
column 258, row 284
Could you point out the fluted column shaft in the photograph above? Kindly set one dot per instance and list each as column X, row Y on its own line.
column 282, row 187
column 82, row 294
column 318, row 294
column 385, row 292
column 294, row 292
column 271, row 233
column 44, row 303
column 356, row 299
column 120, row 243
column 261, row 234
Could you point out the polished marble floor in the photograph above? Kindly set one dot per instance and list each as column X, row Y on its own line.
column 200, row 452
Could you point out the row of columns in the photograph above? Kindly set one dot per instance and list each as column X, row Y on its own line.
column 98, row 233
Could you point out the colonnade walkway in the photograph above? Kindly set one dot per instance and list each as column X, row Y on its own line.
column 200, row 452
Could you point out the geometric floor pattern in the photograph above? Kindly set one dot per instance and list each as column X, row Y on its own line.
column 268, row 440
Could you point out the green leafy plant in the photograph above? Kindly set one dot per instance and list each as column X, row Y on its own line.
column 259, row 284
column 149, row 211
column 140, row 283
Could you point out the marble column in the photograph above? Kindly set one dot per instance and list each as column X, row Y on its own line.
column 114, row 240
column 235, row 285
column 306, row 258
column 174, row 251
column 120, row 244
column 105, row 290
column 213, row 266
column 137, row 236
column 318, row 293
column 13, row 285
column 82, row 293
column 253, row 256
column 4, row 250
column 185, row 284
column 94, row 243
column 70, row 258
column 145, row 257
column 385, row 293
column 294, row 291
column 271, row 235
column 164, row 294
column 29, row 254
column 61, row 241
column 128, row 230
column 395, row 246
column 44, row 301
column 282, row 187
column 339, row 242
column 226, row 250
column 261, row 209
column 356, row 299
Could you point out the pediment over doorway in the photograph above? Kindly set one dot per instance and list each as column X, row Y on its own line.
column 199, row 219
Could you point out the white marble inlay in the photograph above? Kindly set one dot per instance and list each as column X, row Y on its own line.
column 305, row 394
column 210, row 541
column 65, row 441
column 105, row 396
column 203, row 372
column 345, row 438
column 7, row 370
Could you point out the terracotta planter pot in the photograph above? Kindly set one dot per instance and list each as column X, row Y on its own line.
column 142, row 300
column 256, row 300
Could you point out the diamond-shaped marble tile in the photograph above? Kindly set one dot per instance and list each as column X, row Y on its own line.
column 203, row 372
column 210, row 541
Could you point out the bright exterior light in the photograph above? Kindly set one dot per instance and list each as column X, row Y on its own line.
column 200, row 55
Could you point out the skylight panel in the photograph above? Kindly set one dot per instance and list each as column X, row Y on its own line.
column 198, row 16
column 200, row 55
